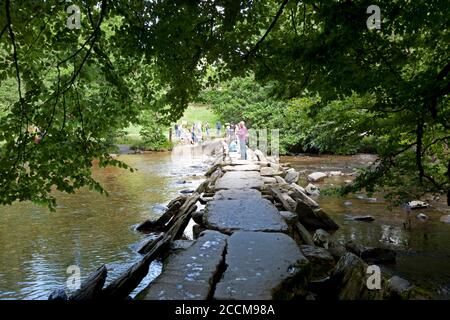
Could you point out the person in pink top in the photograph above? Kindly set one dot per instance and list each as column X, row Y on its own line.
column 242, row 134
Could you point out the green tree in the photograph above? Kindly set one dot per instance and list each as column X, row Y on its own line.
column 77, row 86
column 325, row 48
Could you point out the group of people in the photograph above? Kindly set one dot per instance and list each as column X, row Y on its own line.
column 236, row 134
column 194, row 133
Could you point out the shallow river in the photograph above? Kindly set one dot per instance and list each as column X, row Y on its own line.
column 89, row 229
column 423, row 251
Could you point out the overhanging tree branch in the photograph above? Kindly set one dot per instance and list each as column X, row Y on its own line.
column 3, row 31
column 272, row 25
column 21, row 140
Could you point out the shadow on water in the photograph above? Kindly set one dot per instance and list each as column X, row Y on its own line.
column 87, row 229
column 423, row 251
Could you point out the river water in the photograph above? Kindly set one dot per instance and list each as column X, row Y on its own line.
column 89, row 229
column 423, row 250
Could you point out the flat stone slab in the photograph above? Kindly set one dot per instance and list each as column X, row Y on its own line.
column 235, row 162
column 250, row 214
column 258, row 263
column 236, row 194
column 316, row 176
column 188, row 274
column 244, row 167
column 269, row 180
column 240, row 180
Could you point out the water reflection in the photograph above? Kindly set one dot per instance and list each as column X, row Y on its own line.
column 423, row 251
column 87, row 229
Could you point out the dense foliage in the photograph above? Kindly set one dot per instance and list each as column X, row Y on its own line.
column 345, row 82
column 342, row 126
column 334, row 80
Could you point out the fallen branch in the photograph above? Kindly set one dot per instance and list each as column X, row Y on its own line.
column 91, row 288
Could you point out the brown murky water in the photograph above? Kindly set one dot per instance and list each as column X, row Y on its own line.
column 87, row 229
column 423, row 251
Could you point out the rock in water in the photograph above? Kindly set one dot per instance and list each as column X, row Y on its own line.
column 321, row 260
column 280, row 180
column 291, row 176
column 365, row 218
column 336, row 249
column 349, row 280
column 290, row 217
column 416, row 204
column 372, row 255
column 58, row 295
column 269, row 180
column 268, row 171
column 445, row 219
column 261, row 157
column 354, row 247
column 399, row 288
column 312, row 190
column 316, row 176
column 314, row 219
column 186, row 191
column 159, row 208
column 422, row 217
column 299, row 194
column 197, row 216
column 322, row 238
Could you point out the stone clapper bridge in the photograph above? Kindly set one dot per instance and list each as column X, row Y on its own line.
column 242, row 249
column 259, row 237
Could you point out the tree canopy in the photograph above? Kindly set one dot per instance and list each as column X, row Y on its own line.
column 321, row 62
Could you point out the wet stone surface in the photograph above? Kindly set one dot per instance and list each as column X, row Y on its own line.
column 244, row 167
column 249, row 214
column 237, row 194
column 257, row 266
column 188, row 274
column 240, row 180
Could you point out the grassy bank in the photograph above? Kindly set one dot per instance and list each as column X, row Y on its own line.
column 194, row 113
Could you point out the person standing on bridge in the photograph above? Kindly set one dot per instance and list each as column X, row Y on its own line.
column 218, row 128
column 242, row 134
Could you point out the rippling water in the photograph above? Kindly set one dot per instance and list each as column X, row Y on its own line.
column 423, row 251
column 87, row 229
